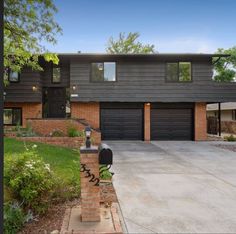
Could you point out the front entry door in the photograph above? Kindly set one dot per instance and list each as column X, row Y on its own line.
column 56, row 103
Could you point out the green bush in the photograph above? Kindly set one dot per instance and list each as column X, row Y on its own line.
column 230, row 138
column 13, row 218
column 73, row 132
column 57, row 133
column 105, row 174
column 25, row 132
column 29, row 179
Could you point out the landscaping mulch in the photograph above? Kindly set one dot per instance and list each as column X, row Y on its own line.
column 50, row 221
column 107, row 192
column 228, row 147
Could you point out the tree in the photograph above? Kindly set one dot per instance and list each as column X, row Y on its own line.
column 128, row 45
column 225, row 68
column 27, row 24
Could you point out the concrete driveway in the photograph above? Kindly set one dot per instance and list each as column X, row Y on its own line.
column 175, row 187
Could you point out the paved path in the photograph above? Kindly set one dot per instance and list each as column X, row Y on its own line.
column 175, row 187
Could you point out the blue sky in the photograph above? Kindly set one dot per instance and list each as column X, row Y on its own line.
column 199, row 26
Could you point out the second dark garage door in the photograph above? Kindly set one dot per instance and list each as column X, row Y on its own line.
column 172, row 123
column 122, row 122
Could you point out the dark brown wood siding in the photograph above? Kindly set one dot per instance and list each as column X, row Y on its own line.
column 23, row 91
column 144, row 81
column 65, row 75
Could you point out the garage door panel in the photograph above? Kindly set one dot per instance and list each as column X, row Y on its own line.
column 122, row 124
column 171, row 124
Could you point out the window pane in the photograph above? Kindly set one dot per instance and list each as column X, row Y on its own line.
column 16, row 116
column 109, row 71
column 172, row 72
column 56, row 78
column 13, row 76
column 97, row 71
column 185, row 71
column 7, row 116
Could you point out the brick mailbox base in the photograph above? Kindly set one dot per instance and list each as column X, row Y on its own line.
column 90, row 191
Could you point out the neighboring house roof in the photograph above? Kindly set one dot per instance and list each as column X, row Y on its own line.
column 224, row 106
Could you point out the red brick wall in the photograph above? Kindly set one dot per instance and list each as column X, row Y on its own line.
column 200, row 121
column 45, row 127
column 147, row 109
column 89, row 111
column 90, row 194
column 29, row 110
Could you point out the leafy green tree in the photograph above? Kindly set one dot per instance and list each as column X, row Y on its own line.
column 225, row 68
column 27, row 24
column 128, row 45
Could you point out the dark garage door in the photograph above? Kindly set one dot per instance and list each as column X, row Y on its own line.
column 122, row 124
column 172, row 124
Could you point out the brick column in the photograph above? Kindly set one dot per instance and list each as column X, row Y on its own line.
column 200, row 121
column 147, row 110
column 90, row 193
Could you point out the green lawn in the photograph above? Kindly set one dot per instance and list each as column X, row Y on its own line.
column 62, row 160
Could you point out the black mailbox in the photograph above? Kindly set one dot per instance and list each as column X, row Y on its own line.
column 105, row 154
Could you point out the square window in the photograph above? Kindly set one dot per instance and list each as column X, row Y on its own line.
column 178, row 72
column 13, row 76
column 103, row 72
column 56, row 75
column 12, row 116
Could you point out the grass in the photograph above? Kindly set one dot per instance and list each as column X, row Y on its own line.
column 62, row 160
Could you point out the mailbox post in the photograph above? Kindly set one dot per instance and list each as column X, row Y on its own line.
column 89, row 173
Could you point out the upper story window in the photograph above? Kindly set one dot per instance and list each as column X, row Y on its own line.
column 12, row 116
column 103, row 72
column 56, row 75
column 179, row 72
column 13, row 76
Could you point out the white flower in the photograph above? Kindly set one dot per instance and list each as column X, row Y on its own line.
column 47, row 166
column 34, row 146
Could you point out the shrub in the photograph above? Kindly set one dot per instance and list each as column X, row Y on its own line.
column 105, row 174
column 230, row 138
column 29, row 179
column 57, row 133
column 25, row 132
column 73, row 132
column 13, row 218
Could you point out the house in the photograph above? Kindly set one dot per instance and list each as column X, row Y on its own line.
column 227, row 118
column 126, row 96
column 228, row 111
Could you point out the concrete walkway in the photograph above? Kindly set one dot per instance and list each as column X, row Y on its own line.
column 175, row 187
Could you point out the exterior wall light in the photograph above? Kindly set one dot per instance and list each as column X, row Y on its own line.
column 34, row 88
column 74, row 87
column 88, row 134
column 148, row 104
